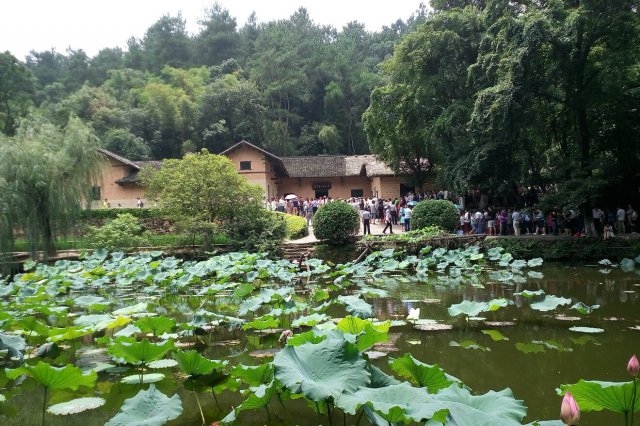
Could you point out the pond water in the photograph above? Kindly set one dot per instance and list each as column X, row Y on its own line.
column 534, row 352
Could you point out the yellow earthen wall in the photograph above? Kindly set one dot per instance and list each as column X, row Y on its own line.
column 261, row 173
column 125, row 195
column 340, row 186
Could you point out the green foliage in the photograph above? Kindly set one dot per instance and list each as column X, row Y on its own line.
column 122, row 232
column 256, row 229
column 112, row 213
column 440, row 213
column 150, row 407
column 296, row 225
column 203, row 192
column 45, row 173
column 55, row 378
column 336, row 222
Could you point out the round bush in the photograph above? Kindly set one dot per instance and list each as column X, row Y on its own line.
column 336, row 222
column 439, row 213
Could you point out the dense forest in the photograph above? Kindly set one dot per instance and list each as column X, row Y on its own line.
column 292, row 86
column 501, row 96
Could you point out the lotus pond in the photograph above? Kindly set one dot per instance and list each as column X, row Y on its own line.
column 456, row 337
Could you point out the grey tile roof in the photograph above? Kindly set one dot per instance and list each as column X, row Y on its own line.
column 317, row 166
column 118, row 158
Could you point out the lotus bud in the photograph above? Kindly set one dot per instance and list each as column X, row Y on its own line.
column 633, row 367
column 569, row 411
column 414, row 314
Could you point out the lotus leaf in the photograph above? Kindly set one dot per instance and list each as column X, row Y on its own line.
column 396, row 403
column 537, row 261
column 529, row 294
column 75, row 406
column 139, row 352
column 307, row 337
column 322, row 371
column 368, row 334
column 262, row 323
column 135, row 379
column 591, row 330
column 253, row 375
column 162, row 363
column 593, row 395
column 243, row 290
column 469, row 344
column 149, row 407
column 495, row 335
column 134, row 309
column 356, row 306
column 89, row 300
column 530, row 348
column 67, row 377
column 67, row 333
column 14, row 344
column 128, row 331
column 584, row 309
column 550, row 303
column 310, row 320
column 468, row 307
column 431, row 377
column 194, row 364
column 490, row 409
column 258, row 398
column 155, row 325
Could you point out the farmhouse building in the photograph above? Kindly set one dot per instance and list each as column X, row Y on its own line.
column 335, row 176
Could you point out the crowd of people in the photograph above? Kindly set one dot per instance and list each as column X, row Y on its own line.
column 490, row 221
column 514, row 221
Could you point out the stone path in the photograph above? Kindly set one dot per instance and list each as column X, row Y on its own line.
column 376, row 229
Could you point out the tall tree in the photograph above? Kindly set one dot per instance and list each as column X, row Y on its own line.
column 167, row 43
column 46, row 173
column 17, row 89
column 217, row 39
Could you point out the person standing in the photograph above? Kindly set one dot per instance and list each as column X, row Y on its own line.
column 407, row 218
column 140, row 203
column 388, row 220
column 366, row 221
column 516, row 217
column 620, row 216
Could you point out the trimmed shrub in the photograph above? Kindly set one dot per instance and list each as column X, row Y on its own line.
column 296, row 225
column 439, row 213
column 336, row 222
column 112, row 213
column 122, row 232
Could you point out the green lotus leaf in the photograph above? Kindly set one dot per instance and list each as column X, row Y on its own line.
column 89, row 300
column 490, row 409
column 306, row 337
column 67, row 333
column 128, row 331
column 162, row 363
column 584, row 309
column 155, row 325
column 2, row 398
column 467, row 307
column 518, row 264
column 537, row 261
column 530, row 348
column 627, row 264
column 530, row 294
column 590, row 330
column 32, row 324
column 259, row 397
column 75, row 406
column 55, row 378
column 495, row 304
column 396, row 403
column 139, row 352
column 101, row 322
column 593, row 395
column 15, row 345
column 356, row 306
column 253, row 375
column 372, row 292
column 431, row 377
column 553, row 345
column 243, row 290
column 584, row 339
column 194, row 364
column 262, row 323
column 367, row 334
column 322, row 371
column 134, row 309
column 134, row 379
column 469, row 344
column 310, row 320
column 495, row 335
column 149, row 407
column 549, row 303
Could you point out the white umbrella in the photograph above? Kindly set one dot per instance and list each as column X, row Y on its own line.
column 291, row 197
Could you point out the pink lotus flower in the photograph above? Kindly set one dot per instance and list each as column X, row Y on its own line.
column 569, row 411
column 633, row 367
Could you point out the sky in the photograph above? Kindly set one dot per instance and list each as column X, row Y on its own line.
column 92, row 25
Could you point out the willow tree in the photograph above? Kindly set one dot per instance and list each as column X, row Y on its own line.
column 46, row 174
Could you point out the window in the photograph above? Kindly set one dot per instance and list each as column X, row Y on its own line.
column 95, row 193
column 357, row 193
column 245, row 165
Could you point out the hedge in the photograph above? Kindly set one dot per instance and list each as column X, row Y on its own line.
column 112, row 213
column 296, row 225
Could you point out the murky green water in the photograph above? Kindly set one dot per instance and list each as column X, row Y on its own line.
column 560, row 356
